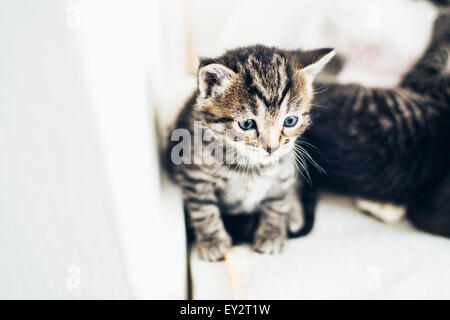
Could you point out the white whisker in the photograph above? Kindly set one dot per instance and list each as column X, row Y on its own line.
column 305, row 153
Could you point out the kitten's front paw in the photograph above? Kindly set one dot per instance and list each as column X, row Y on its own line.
column 214, row 249
column 269, row 242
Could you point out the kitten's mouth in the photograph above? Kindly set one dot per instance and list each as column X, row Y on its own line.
column 258, row 155
column 269, row 157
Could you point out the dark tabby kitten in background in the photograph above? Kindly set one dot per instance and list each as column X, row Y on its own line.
column 261, row 97
column 391, row 145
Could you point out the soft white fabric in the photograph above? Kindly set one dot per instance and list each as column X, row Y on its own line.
column 348, row 255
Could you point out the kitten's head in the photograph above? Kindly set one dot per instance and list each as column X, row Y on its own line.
column 261, row 96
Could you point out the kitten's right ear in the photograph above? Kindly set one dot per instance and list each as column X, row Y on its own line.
column 213, row 79
column 311, row 62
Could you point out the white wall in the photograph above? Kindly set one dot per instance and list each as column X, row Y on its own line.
column 80, row 215
column 56, row 218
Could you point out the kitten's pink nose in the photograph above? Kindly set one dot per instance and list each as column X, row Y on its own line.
column 270, row 140
column 271, row 149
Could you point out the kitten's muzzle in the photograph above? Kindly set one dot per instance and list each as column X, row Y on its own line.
column 270, row 141
column 270, row 149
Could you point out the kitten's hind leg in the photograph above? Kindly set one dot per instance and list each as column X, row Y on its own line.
column 433, row 62
column 386, row 212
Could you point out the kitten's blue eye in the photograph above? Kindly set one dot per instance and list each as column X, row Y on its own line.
column 290, row 121
column 247, row 124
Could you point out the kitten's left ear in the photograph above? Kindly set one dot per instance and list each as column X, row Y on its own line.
column 311, row 62
column 213, row 79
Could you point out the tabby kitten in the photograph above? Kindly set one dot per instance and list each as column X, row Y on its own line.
column 391, row 145
column 253, row 103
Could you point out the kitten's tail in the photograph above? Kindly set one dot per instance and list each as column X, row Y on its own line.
column 431, row 68
column 308, row 196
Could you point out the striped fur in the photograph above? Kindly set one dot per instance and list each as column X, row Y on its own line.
column 265, row 85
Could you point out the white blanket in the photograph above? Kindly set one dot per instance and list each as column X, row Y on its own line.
column 347, row 256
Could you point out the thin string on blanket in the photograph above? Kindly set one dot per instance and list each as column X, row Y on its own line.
column 236, row 276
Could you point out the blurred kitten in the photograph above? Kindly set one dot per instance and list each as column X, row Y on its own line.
column 391, row 144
